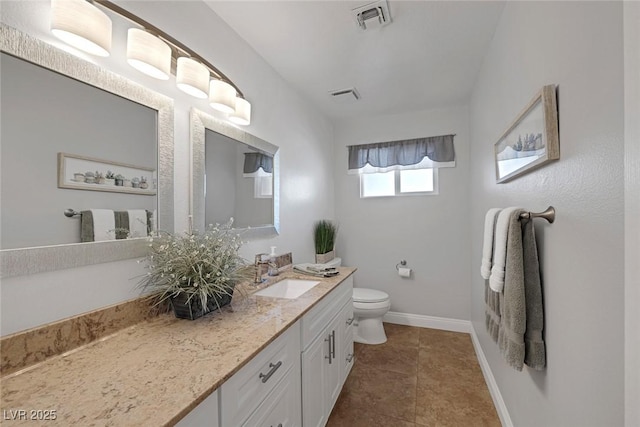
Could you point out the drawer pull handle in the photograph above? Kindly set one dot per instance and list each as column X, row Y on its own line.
column 279, row 425
column 349, row 358
column 333, row 347
column 274, row 368
column 349, row 321
column 328, row 339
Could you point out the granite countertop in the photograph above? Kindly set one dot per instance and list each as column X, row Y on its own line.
column 155, row 372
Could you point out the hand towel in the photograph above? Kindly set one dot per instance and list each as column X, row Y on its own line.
column 137, row 223
column 492, row 311
column 534, row 344
column 122, row 224
column 496, row 280
column 104, row 225
column 513, row 305
column 487, row 246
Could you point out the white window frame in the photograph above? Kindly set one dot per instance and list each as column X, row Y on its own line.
column 397, row 192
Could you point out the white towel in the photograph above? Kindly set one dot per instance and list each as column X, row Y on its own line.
column 487, row 246
column 137, row 223
column 104, row 225
column 496, row 280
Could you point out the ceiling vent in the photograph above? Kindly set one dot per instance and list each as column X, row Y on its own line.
column 345, row 96
column 372, row 15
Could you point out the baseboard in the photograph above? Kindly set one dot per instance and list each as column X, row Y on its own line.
column 498, row 401
column 454, row 325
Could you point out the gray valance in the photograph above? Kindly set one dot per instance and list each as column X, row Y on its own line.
column 255, row 161
column 433, row 151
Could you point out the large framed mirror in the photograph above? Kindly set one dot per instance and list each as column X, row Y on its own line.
column 234, row 175
column 62, row 115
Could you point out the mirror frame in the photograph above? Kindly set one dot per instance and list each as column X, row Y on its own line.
column 199, row 123
column 25, row 261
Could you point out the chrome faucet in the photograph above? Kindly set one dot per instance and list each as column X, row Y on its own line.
column 259, row 264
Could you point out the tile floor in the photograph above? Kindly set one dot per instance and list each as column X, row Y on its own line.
column 418, row 378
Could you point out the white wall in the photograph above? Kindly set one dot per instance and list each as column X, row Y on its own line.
column 280, row 116
column 430, row 232
column 632, row 211
column 577, row 45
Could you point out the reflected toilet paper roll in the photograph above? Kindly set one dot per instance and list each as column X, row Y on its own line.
column 404, row 272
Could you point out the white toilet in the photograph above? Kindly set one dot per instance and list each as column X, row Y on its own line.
column 369, row 305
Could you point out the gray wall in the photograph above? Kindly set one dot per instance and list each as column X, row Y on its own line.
column 220, row 178
column 430, row 232
column 44, row 113
column 577, row 45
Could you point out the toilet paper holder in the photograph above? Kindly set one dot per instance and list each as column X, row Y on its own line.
column 402, row 263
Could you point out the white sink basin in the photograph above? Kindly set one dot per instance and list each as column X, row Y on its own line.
column 287, row 288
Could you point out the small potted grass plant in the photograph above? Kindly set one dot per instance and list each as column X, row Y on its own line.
column 195, row 272
column 324, row 238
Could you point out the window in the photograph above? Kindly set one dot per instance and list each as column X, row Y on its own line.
column 399, row 182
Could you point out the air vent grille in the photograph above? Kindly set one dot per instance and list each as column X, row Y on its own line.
column 372, row 15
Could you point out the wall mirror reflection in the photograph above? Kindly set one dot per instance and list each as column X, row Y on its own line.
column 75, row 118
column 54, row 104
column 235, row 175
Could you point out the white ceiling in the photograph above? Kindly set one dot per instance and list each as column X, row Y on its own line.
column 428, row 57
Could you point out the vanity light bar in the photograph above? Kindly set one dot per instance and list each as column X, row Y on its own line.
column 84, row 25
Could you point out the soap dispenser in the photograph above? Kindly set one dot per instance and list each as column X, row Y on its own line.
column 273, row 265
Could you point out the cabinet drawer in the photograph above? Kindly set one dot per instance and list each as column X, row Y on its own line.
column 241, row 394
column 281, row 408
column 319, row 316
column 349, row 355
column 347, row 316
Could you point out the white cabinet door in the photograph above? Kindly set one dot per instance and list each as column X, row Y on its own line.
column 334, row 368
column 203, row 415
column 315, row 382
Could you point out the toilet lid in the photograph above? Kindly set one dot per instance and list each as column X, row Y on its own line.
column 369, row 295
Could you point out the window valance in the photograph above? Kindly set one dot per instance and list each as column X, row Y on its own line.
column 429, row 152
column 253, row 162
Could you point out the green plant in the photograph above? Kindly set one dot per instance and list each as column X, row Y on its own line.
column 204, row 266
column 324, row 236
column 110, row 175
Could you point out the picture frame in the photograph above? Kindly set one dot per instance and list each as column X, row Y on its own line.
column 532, row 139
column 79, row 173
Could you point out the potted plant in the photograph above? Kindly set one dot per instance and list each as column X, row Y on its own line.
column 196, row 273
column 143, row 183
column 109, row 178
column 324, row 238
column 100, row 178
column 119, row 180
column 78, row 177
column 135, row 182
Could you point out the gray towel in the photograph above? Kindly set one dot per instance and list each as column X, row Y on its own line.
column 86, row 226
column 122, row 224
column 534, row 344
column 492, row 311
column 513, row 321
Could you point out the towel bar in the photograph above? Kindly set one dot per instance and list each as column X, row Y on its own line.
column 70, row 213
column 549, row 214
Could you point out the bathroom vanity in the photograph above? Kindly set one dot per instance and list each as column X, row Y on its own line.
column 265, row 361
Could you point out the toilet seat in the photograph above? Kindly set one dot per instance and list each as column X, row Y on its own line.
column 371, row 305
column 367, row 296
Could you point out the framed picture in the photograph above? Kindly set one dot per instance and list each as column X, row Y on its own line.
column 532, row 140
column 88, row 173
